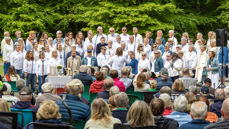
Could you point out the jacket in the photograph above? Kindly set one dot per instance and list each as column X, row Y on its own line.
column 219, row 125
column 120, row 113
column 216, row 107
column 47, row 96
column 25, row 105
column 104, row 94
column 84, row 77
column 158, row 64
column 134, row 65
column 50, row 121
column 214, row 63
column 180, row 117
column 96, row 87
column 195, row 124
column 165, row 123
column 93, row 61
column 119, row 84
column 162, row 83
column 225, row 56
column 211, row 117
column 74, row 64
column 101, row 124
column 80, row 111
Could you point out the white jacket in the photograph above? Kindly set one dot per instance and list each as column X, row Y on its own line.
column 191, row 60
column 7, row 50
column 16, row 60
column 177, row 66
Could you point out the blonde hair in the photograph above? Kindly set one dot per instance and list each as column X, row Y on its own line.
column 48, row 110
column 100, row 110
column 153, row 84
column 4, row 107
column 178, row 85
column 119, row 51
column 140, row 114
column 141, row 79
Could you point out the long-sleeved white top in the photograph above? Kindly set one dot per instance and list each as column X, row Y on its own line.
column 125, row 38
column 29, row 66
column 110, row 51
column 96, row 38
column 138, row 39
column 143, row 64
column 87, row 43
column 176, row 66
column 53, row 64
column 167, row 65
column 131, row 47
column 39, row 67
column 112, row 37
column 3, row 42
column 7, row 50
column 102, row 59
column 117, row 62
column 16, row 60
column 190, row 60
column 60, row 56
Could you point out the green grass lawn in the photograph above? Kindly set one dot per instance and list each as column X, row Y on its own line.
column 1, row 67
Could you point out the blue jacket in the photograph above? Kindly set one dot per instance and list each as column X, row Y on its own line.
column 163, row 40
column 50, row 121
column 85, row 78
column 225, row 56
column 80, row 111
column 25, row 105
column 195, row 124
column 120, row 113
column 214, row 65
column 162, row 83
column 216, row 107
column 134, row 65
column 98, row 47
column 161, row 48
column 158, row 64
column 93, row 61
column 104, row 94
column 180, row 117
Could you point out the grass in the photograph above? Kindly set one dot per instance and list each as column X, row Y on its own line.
column 1, row 67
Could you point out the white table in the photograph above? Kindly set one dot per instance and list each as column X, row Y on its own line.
column 59, row 81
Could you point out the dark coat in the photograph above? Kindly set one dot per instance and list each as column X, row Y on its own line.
column 85, row 78
column 219, row 125
column 216, row 107
column 165, row 123
column 195, row 124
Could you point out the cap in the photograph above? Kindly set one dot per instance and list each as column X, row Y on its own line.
column 89, row 51
column 204, row 90
column 25, row 91
column 46, row 87
column 164, row 72
column 207, row 80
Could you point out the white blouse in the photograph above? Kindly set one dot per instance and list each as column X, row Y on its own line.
column 39, row 67
column 102, row 59
column 29, row 66
column 7, row 50
column 16, row 60
column 117, row 62
column 143, row 64
column 53, row 64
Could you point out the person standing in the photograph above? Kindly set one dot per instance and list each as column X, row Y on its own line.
column 73, row 63
column 190, row 59
column 103, row 58
column 124, row 36
column 16, row 60
column 176, row 66
column 213, row 69
column 137, row 37
column 112, row 36
column 7, row 50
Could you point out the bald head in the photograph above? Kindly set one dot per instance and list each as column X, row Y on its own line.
column 219, row 94
column 225, row 109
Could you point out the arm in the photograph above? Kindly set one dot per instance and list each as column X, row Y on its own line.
column 225, row 54
column 161, row 63
column 99, row 61
column 12, row 59
column 136, row 67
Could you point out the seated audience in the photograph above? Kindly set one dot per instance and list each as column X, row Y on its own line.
column 89, row 60
column 226, row 92
column 153, row 85
column 48, row 112
column 11, row 75
column 6, row 94
column 177, row 89
column 117, row 82
column 113, row 91
column 125, row 77
column 204, row 91
column 208, row 83
column 97, row 85
column 101, row 117
column 20, row 84
column 121, row 102
column 225, row 114
column 80, row 111
column 157, row 108
column 107, row 84
column 187, row 78
column 139, row 115
column 180, row 115
column 140, row 83
column 193, row 89
column 25, row 96
column 217, row 105
column 47, row 94
column 4, row 107
column 164, row 81
column 167, row 103
column 211, row 117
column 164, row 89
column 83, row 76
column 191, row 98
column 198, row 114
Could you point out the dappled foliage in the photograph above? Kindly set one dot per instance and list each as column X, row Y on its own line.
column 73, row 15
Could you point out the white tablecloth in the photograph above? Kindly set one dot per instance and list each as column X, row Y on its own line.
column 59, row 81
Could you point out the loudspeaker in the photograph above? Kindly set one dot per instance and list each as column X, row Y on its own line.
column 221, row 37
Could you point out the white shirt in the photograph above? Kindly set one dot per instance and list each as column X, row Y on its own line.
column 125, row 38
column 185, row 49
column 80, row 50
column 60, row 56
column 16, row 60
column 147, row 49
column 48, row 55
column 112, row 37
column 138, row 39
column 88, row 61
column 53, row 63
column 39, row 67
column 116, row 45
column 4, row 42
column 131, row 47
column 117, row 62
column 164, row 56
column 87, row 43
column 102, row 59
column 7, row 50
column 143, row 64
column 97, row 37
column 174, row 41
column 110, row 51
column 29, row 66
column 177, row 67
column 191, row 60
column 167, row 65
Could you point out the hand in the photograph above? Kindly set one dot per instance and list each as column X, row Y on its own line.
column 26, row 75
column 209, row 69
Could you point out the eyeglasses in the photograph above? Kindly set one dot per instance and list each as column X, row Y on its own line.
column 143, row 55
column 167, row 56
column 154, row 46
column 155, row 53
column 111, row 31
column 123, row 30
column 42, row 40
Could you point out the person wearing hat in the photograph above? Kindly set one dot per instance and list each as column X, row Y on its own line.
column 73, row 63
column 164, row 79
column 204, row 91
column 80, row 111
column 208, row 83
column 213, row 68
column 25, row 95
column 89, row 60
column 47, row 94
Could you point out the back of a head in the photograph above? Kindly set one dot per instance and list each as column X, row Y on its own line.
column 190, row 97
column 100, row 110
column 46, row 87
column 226, row 91
column 113, row 74
column 4, row 107
column 99, row 76
column 83, row 68
column 48, row 110
column 225, row 109
column 75, row 87
column 165, row 89
column 178, row 86
column 25, row 94
column 199, row 110
column 164, row 74
column 193, row 89
column 125, row 71
column 166, row 99
column 8, row 88
column 157, row 106
column 108, row 83
column 140, row 115
column 180, row 103
column 141, row 79
column 114, row 90
column 20, row 84
column 121, row 100
column 219, row 93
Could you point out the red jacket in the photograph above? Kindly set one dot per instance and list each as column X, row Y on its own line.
column 119, row 84
column 96, row 87
column 167, row 111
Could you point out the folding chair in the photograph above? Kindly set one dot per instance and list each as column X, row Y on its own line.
column 9, row 119
column 86, row 92
column 49, row 126
column 25, row 116
column 121, row 126
column 132, row 99
column 148, row 96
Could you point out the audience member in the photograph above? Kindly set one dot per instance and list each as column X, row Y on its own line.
column 46, row 94
column 177, row 89
column 208, row 83
column 113, row 91
column 6, row 94
column 121, row 102
column 204, row 91
column 191, row 98
column 180, row 115
column 140, row 83
column 157, row 108
column 101, row 116
column 20, row 84
column 80, row 111
column 117, row 82
column 226, row 92
column 164, row 81
column 107, row 84
column 11, row 75
column 125, row 77
column 198, row 114
column 167, row 103
column 164, row 89
column 139, row 115
column 187, row 78
column 97, row 85
column 219, row 98
column 193, row 89
column 83, row 76
column 4, row 107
